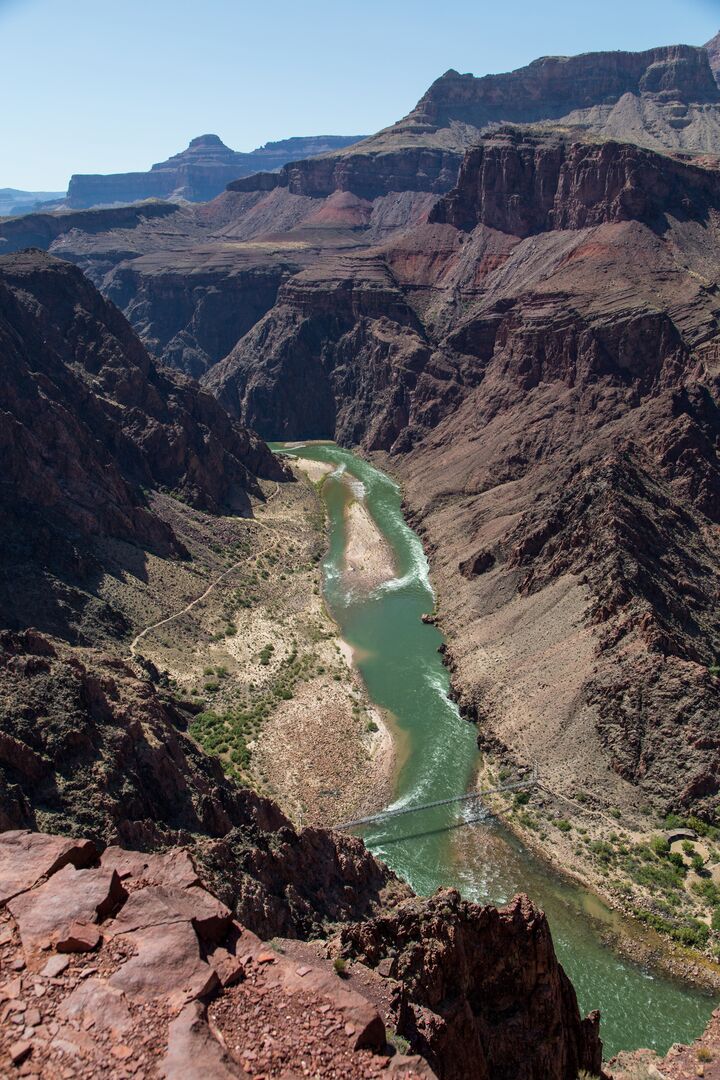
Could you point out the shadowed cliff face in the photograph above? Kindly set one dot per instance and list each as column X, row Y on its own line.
column 712, row 48
column 441, row 951
column 523, row 184
column 90, row 427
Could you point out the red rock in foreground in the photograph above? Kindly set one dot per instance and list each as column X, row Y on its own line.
column 178, row 989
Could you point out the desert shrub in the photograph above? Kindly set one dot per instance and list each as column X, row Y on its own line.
column 563, row 825
column 707, row 890
column 660, row 845
column 602, row 850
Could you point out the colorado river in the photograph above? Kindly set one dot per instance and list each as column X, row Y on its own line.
column 398, row 658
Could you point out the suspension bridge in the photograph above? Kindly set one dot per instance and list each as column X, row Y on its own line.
column 400, row 811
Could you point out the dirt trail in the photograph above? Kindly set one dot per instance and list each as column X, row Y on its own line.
column 188, row 607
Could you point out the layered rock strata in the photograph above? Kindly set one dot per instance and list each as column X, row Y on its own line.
column 540, row 360
column 198, row 173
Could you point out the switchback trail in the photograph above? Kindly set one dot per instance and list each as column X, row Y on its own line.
column 188, row 607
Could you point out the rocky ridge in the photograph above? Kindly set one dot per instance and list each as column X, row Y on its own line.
column 664, row 99
column 122, row 963
column 91, row 425
column 197, row 173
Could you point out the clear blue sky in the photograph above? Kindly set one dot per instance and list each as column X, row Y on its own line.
column 115, row 85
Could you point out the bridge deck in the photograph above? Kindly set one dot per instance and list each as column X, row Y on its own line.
column 386, row 815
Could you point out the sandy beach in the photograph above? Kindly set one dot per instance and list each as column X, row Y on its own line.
column 314, row 470
column 369, row 560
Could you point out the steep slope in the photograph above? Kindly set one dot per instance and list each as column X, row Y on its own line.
column 85, row 746
column 198, row 173
column 712, row 48
column 129, row 965
column 546, row 349
column 90, row 426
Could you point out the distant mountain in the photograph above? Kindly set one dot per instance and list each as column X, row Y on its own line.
column 198, row 173
column 14, row 201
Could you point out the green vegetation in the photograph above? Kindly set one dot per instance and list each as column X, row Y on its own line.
column 660, row 845
column 563, row 825
column 226, row 732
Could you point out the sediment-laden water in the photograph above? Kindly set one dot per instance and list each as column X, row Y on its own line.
column 398, row 658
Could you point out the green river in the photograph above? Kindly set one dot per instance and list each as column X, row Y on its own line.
column 398, row 658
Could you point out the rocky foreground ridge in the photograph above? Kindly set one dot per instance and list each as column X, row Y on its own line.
column 198, row 173
column 159, row 925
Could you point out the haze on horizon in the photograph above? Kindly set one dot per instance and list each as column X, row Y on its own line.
column 99, row 86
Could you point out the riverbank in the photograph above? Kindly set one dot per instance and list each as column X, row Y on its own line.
column 398, row 657
column 248, row 640
column 602, row 836
column 328, row 755
column 536, row 823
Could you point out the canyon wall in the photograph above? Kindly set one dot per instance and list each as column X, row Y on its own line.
column 198, row 173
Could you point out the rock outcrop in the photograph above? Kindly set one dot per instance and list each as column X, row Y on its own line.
column 664, row 99
column 440, row 951
column 198, row 173
column 523, row 184
column 90, row 426
column 120, row 963
column 712, row 48
column 85, row 746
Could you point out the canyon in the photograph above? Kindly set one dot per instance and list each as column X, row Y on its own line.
column 509, row 300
